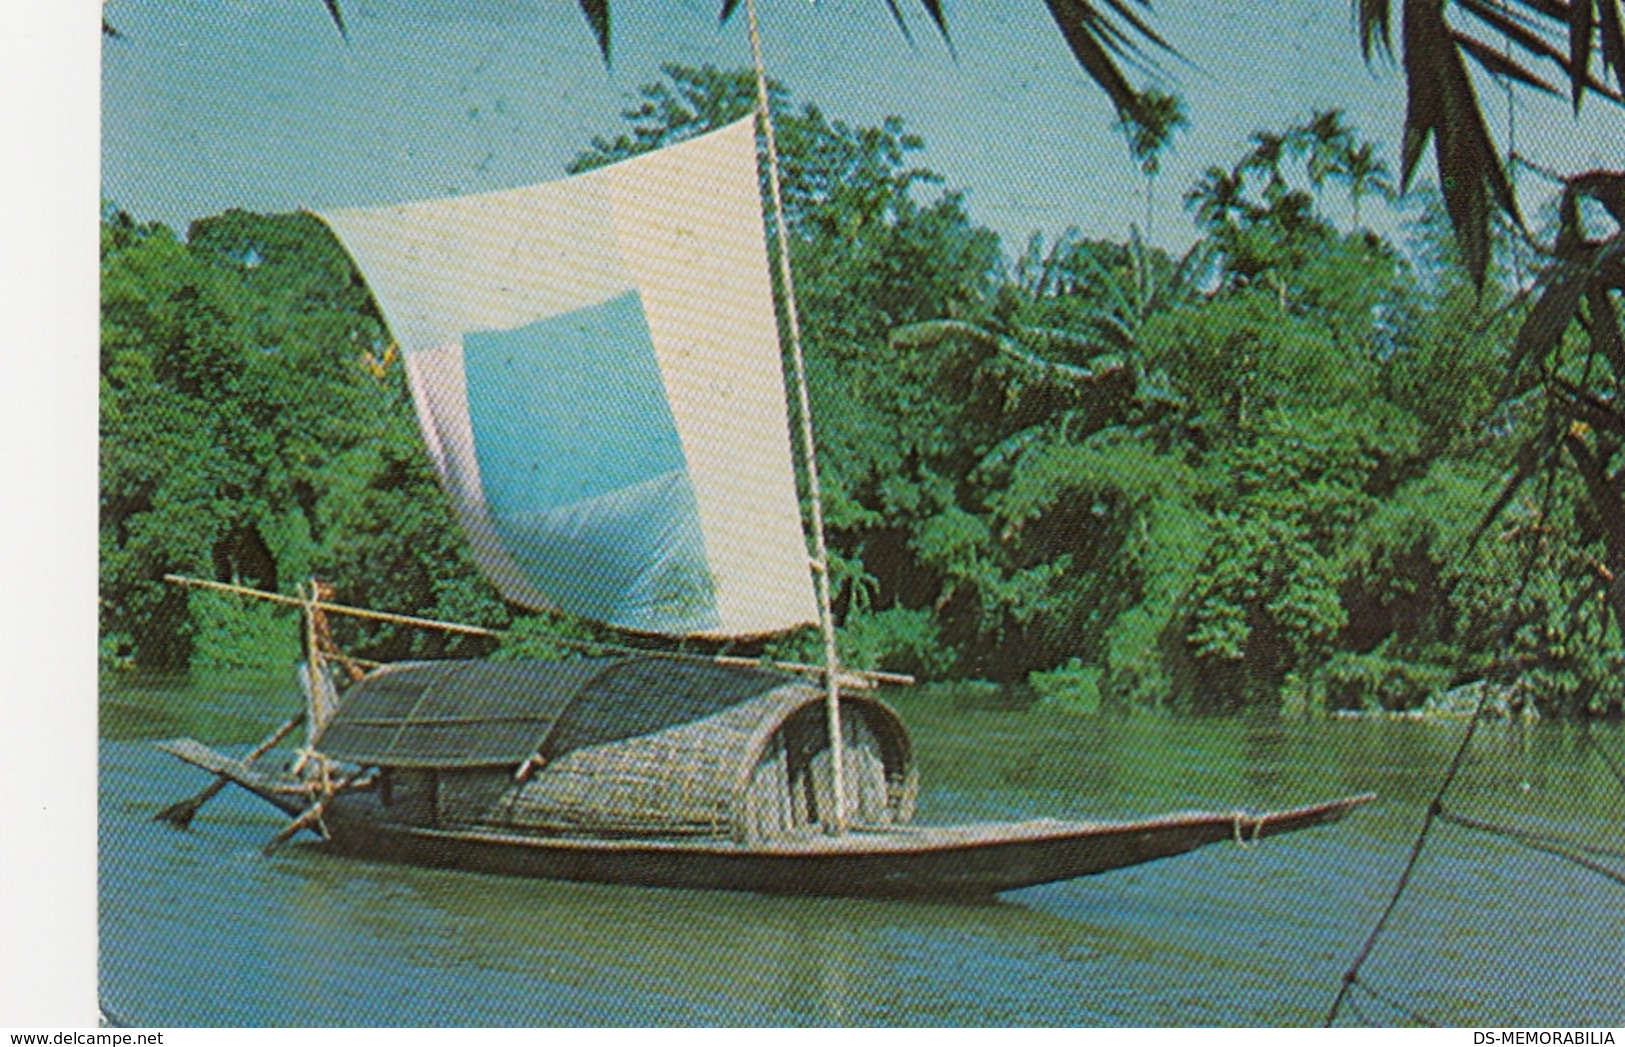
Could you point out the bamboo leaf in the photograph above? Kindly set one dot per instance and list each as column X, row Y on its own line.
column 897, row 16
column 1497, row 64
column 1513, row 30
column 338, row 19
column 1605, row 187
column 1580, row 27
column 1078, row 22
column 1114, row 39
column 934, row 9
column 597, row 12
column 1557, row 10
column 1613, row 40
column 1376, row 26
column 1140, row 26
column 1489, row 157
column 1420, row 59
column 1530, row 41
column 1607, row 340
column 1444, row 105
column 1543, row 328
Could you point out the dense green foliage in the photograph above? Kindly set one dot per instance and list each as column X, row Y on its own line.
column 1261, row 475
column 251, row 433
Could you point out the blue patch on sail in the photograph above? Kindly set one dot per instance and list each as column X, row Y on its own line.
column 582, row 470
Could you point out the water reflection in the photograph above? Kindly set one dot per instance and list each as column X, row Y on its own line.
column 1263, row 741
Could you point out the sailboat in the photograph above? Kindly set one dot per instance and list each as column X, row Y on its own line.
column 596, row 370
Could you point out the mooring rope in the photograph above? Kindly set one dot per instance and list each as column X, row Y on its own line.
column 1240, row 818
column 1434, row 809
column 1619, row 775
column 1518, row 835
column 1414, row 1015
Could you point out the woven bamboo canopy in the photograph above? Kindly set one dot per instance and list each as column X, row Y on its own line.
column 621, row 745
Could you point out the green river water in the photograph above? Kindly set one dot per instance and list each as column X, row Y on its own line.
column 196, row 928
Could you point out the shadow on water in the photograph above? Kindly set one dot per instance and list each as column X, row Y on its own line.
column 199, row 929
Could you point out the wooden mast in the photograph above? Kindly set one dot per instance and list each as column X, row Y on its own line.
column 826, row 619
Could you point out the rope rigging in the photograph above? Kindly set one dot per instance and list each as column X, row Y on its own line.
column 1554, row 846
column 1590, row 739
column 1352, row 975
column 1436, row 812
column 1529, row 836
column 1409, row 1012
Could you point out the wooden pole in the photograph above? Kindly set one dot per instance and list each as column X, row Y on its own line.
column 182, row 813
column 311, row 815
column 826, row 619
column 358, row 612
column 849, row 678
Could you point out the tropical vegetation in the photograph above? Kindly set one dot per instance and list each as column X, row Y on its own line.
column 1298, row 467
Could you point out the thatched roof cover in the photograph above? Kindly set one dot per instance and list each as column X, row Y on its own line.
column 481, row 714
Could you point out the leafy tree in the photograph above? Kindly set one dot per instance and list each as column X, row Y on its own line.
column 1253, row 476
column 248, row 436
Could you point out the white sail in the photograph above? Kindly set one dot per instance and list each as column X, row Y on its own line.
column 596, row 369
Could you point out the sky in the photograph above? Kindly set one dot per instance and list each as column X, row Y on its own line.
column 261, row 104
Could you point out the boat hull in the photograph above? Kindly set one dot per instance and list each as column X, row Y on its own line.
column 974, row 860
column 977, row 860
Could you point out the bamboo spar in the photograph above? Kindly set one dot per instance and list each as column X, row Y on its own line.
column 183, row 812
column 826, row 618
column 854, row 677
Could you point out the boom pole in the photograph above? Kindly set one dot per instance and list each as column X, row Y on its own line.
column 850, row 678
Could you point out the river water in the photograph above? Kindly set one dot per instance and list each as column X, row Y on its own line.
column 198, row 929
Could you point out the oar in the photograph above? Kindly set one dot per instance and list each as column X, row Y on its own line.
column 310, row 815
column 182, row 813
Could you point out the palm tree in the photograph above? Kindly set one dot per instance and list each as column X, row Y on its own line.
column 1323, row 141
column 1218, row 197
column 1268, row 157
column 1147, row 139
column 1442, row 108
column 1361, row 170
